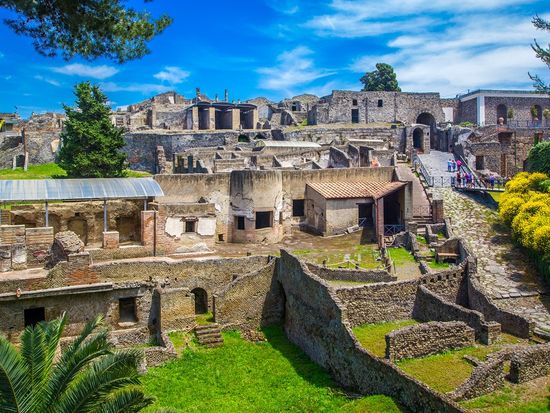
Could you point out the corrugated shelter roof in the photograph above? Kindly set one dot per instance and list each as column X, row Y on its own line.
column 78, row 189
column 287, row 144
column 358, row 189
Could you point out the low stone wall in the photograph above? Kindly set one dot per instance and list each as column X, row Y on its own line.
column 428, row 338
column 529, row 363
column 155, row 356
column 316, row 321
column 367, row 276
column 510, row 322
column 431, row 307
column 486, row 378
column 250, row 301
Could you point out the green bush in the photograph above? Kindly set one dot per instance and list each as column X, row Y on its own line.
column 539, row 158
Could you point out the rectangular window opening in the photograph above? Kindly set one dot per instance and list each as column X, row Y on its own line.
column 355, row 116
column 34, row 316
column 354, row 102
column 380, row 103
column 127, row 310
column 298, row 208
column 190, row 226
column 264, row 219
column 240, row 223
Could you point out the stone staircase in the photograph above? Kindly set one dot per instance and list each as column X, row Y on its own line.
column 209, row 335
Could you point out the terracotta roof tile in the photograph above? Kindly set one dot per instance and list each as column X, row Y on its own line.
column 358, row 189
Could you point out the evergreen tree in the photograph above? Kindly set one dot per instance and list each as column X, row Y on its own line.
column 542, row 53
column 90, row 28
column 381, row 79
column 90, row 143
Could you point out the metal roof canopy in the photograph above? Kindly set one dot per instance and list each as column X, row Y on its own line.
column 78, row 189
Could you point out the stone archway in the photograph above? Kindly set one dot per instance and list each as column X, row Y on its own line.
column 201, row 300
column 502, row 112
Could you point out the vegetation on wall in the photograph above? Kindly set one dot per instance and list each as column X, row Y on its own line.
column 525, row 208
column 90, row 143
column 383, row 79
column 89, row 28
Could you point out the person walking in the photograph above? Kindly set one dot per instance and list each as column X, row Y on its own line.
column 449, row 164
column 458, row 164
column 458, row 178
column 492, row 181
column 453, row 165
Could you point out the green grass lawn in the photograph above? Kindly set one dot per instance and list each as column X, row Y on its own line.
column 372, row 336
column 50, row 170
column 401, row 256
column 438, row 265
column 444, row 372
column 272, row 376
column 364, row 255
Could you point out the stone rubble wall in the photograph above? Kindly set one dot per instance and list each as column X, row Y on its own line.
column 316, row 321
column 530, row 363
column 251, row 300
column 428, row 338
column 155, row 356
column 486, row 378
column 340, row 274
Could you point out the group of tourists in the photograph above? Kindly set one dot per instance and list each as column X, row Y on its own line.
column 453, row 166
column 465, row 179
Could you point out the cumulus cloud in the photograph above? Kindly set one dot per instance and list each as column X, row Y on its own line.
column 172, row 75
column 295, row 69
column 81, row 70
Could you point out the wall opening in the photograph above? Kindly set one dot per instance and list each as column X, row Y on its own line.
column 201, row 300
column 260, row 136
column 80, row 227
column 502, row 112
column 365, row 215
column 380, row 103
column 355, row 116
column 480, row 162
column 418, row 137
column 34, row 316
column 243, row 139
column 240, row 223
column 126, row 227
column 127, row 310
column 264, row 219
column 392, row 209
column 20, row 161
column 354, row 102
column 191, row 226
column 298, row 209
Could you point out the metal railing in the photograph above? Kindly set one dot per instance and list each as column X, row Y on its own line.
column 418, row 165
column 393, row 229
column 545, row 123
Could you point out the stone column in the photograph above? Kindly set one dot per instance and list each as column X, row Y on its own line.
column 235, row 118
column 195, row 118
column 255, row 118
column 379, row 224
column 211, row 118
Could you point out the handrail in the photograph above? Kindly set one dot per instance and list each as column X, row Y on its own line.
column 423, row 170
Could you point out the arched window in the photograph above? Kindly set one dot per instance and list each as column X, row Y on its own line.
column 201, row 300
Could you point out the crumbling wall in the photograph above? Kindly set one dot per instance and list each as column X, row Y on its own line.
column 428, row 338
column 341, row 274
column 486, row 378
column 530, row 363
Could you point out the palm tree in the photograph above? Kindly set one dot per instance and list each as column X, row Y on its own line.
column 89, row 376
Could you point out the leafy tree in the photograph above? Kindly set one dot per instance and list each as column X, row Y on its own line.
column 90, row 28
column 539, row 158
column 90, row 376
column 90, row 143
column 381, row 79
column 542, row 53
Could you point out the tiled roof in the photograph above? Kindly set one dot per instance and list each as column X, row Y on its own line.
column 358, row 189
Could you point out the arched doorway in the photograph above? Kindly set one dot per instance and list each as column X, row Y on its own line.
column 536, row 112
column 418, row 138
column 426, row 118
column 201, row 300
column 502, row 112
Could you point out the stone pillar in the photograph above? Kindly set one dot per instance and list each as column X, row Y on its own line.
column 255, row 118
column 195, row 117
column 211, row 118
column 437, row 211
column 111, row 240
column 147, row 228
column 235, row 118
column 379, row 224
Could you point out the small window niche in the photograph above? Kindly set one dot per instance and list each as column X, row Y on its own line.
column 33, row 316
column 298, row 209
column 264, row 219
column 191, row 226
column 240, row 223
column 380, row 103
column 354, row 102
column 127, row 312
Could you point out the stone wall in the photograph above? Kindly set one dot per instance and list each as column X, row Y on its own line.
column 428, row 338
column 251, row 300
column 529, row 363
column 175, row 309
column 315, row 321
column 340, row 274
column 486, row 378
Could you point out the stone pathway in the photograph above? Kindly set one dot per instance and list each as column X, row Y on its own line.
column 435, row 163
column 504, row 270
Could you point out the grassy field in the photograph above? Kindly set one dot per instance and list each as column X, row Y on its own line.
column 50, row 170
column 401, row 256
column 363, row 255
column 446, row 371
column 372, row 336
column 273, row 376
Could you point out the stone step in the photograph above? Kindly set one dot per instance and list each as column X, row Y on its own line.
column 211, row 340
column 209, row 335
column 214, row 334
column 206, row 330
column 206, row 326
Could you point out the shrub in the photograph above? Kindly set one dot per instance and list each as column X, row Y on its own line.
column 539, row 158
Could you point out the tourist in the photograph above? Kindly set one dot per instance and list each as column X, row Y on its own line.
column 449, row 165
column 453, row 165
column 458, row 178
column 458, row 164
column 492, row 181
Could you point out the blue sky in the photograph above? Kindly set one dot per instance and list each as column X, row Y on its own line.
column 281, row 48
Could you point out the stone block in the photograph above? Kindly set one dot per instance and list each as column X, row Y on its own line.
column 111, row 240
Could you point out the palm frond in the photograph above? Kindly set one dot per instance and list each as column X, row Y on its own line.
column 14, row 381
column 130, row 400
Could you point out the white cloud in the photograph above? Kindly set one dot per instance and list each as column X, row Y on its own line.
column 468, row 54
column 288, row 7
column 172, row 75
column 144, row 88
column 47, row 80
column 295, row 69
column 95, row 72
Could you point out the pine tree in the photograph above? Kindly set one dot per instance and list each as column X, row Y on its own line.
column 90, row 142
column 381, row 79
column 542, row 53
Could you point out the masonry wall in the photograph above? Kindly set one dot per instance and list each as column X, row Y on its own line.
column 367, row 276
column 314, row 321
